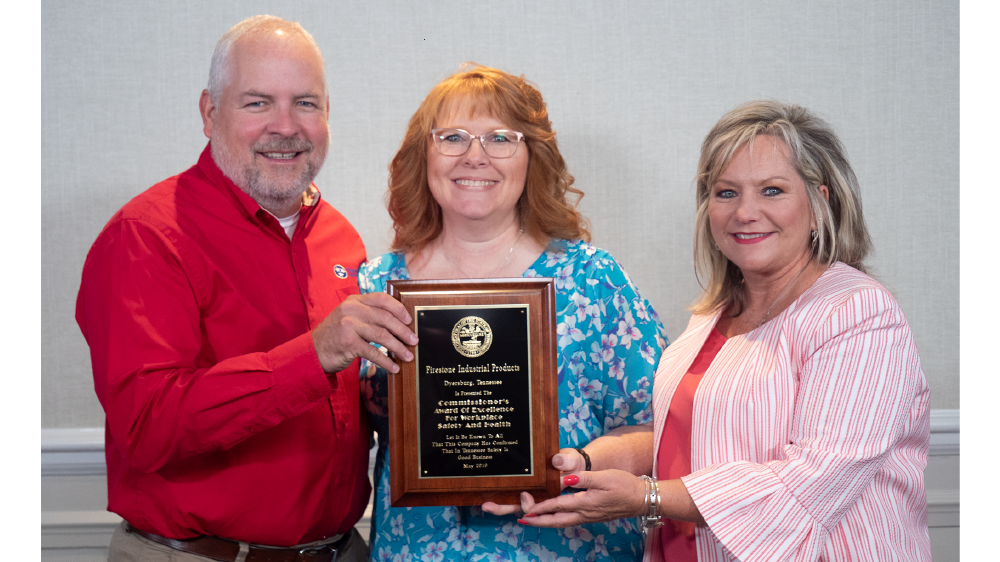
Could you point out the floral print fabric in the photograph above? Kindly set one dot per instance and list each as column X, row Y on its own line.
column 610, row 340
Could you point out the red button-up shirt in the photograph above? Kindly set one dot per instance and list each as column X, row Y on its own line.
column 220, row 420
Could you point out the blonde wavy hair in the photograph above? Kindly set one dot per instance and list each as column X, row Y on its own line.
column 819, row 158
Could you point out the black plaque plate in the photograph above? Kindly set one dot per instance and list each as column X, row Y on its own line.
column 478, row 405
column 474, row 417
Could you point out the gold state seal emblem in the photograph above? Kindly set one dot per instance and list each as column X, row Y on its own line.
column 468, row 332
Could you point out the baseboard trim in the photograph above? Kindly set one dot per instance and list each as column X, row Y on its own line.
column 78, row 529
column 93, row 529
column 80, row 452
column 943, row 508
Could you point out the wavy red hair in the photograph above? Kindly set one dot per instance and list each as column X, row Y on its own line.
column 547, row 207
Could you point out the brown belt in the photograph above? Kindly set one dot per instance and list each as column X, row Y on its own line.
column 225, row 550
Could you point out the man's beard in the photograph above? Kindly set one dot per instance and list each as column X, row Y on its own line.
column 270, row 193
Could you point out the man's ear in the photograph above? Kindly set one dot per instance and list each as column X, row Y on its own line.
column 207, row 108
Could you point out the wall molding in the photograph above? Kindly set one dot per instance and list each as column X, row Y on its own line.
column 80, row 452
column 944, row 432
column 73, row 451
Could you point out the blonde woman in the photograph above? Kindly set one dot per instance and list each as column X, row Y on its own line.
column 792, row 416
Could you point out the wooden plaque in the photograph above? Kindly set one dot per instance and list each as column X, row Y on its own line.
column 475, row 416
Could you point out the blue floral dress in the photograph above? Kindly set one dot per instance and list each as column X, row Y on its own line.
column 610, row 341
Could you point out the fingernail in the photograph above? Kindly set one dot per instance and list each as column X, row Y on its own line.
column 531, row 515
column 523, row 522
column 571, row 480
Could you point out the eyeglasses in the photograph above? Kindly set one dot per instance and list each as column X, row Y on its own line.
column 497, row 144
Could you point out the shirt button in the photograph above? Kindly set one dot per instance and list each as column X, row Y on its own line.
column 313, row 396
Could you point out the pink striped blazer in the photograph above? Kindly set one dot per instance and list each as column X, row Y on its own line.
column 810, row 433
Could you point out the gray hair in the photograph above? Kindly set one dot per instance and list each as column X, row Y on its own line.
column 819, row 158
column 218, row 73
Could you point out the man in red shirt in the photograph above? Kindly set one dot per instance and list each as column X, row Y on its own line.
column 224, row 322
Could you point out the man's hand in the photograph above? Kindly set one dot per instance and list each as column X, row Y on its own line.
column 347, row 332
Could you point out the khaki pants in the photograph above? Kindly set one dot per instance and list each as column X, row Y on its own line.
column 130, row 547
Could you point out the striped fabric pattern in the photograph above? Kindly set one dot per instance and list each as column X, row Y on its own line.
column 810, row 433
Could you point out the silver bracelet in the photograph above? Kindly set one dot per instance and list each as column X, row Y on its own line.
column 652, row 517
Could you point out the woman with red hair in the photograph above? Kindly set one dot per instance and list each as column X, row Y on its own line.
column 478, row 189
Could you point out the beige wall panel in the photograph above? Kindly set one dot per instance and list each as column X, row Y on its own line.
column 632, row 88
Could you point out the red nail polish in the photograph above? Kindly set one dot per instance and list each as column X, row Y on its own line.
column 522, row 521
column 571, row 480
column 531, row 515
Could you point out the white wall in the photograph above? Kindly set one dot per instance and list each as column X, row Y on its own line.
column 632, row 88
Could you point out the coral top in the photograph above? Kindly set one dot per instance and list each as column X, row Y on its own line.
column 674, row 456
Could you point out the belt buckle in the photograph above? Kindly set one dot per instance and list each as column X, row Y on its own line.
column 313, row 552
